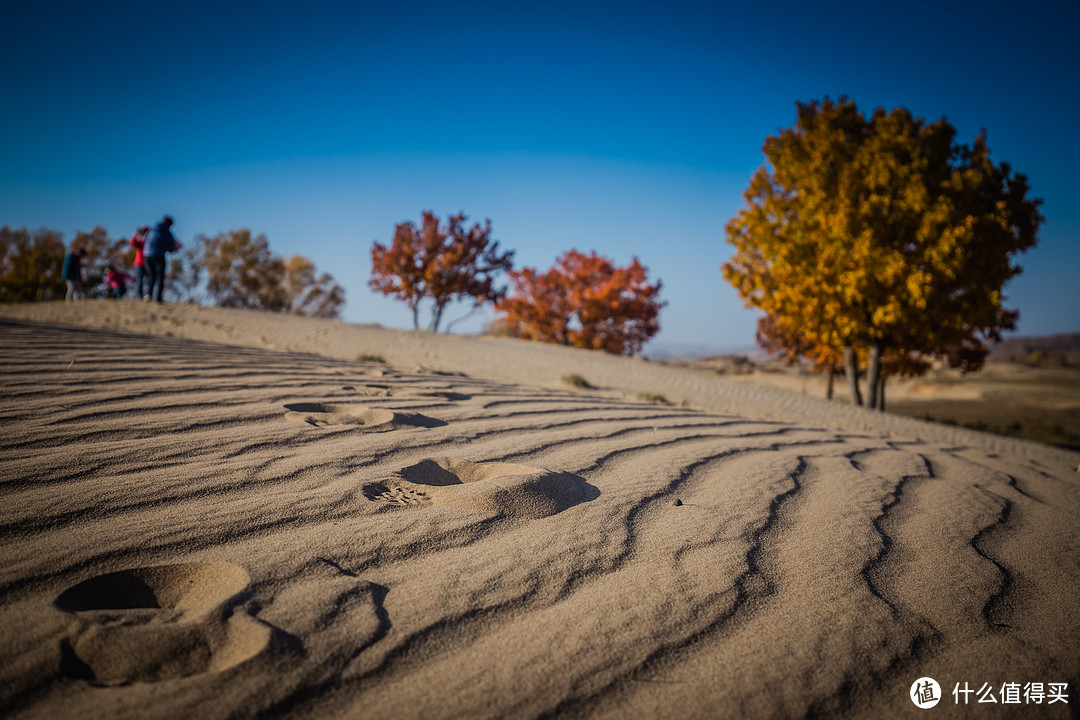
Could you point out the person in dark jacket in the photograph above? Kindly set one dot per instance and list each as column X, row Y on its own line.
column 72, row 274
column 159, row 241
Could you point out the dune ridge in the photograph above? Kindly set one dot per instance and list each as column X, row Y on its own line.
column 175, row 544
column 503, row 360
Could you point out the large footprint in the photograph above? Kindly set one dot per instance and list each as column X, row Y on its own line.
column 508, row 489
column 158, row 623
column 365, row 418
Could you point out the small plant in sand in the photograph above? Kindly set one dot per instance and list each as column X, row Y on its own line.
column 578, row 381
column 370, row 358
column 656, row 398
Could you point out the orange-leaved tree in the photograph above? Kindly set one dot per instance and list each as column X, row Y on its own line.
column 584, row 301
column 439, row 263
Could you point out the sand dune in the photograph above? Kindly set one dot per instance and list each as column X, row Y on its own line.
column 213, row 513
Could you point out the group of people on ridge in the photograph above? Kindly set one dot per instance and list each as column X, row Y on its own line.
column 151, row 245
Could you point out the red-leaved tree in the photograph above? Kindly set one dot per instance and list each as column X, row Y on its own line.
column 442, row 264
column 584, row 301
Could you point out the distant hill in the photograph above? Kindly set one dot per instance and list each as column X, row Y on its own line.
column 1019, row 349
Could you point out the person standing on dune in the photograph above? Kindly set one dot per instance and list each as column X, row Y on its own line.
column 159, row 240
column 71, row 273
column 138, row 241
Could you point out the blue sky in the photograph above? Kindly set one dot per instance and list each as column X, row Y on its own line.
column 626, row 128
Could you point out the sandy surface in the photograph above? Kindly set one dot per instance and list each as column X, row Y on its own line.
column 213, row 513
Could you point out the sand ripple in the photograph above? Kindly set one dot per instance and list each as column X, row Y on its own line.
column 173, row 548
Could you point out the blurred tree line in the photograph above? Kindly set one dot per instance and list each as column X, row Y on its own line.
column 231, row 269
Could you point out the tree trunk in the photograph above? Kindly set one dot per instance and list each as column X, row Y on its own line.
column 852, row 370
column 873, row 375
column 416, row 316
column 881, row 395
column 436, row 317
column 829, row 387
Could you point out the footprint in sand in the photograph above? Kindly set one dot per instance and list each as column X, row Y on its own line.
column 158, row 623
column 359, row 416
column 505, row 488
column 377, row 492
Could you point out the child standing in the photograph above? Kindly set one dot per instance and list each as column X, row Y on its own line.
column 116, row 282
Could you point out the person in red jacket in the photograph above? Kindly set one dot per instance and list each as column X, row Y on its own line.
column 138, row 241
column 116, row 282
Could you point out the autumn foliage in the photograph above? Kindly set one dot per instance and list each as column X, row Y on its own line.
column 584, row 301
column 242, row 272
column 879, row 241
column 30, row 265
column 311, row 293
column 441, row 263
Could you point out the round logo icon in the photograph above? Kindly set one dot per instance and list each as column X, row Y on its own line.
column 925, row 692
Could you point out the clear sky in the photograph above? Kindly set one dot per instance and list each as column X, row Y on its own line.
column 626, row 128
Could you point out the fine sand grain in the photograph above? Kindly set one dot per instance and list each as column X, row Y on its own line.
column 211, row 513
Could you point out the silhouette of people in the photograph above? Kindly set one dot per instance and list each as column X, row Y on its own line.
column 116, row 282
column 138, row 240
column 159, row 240
column 72, row 274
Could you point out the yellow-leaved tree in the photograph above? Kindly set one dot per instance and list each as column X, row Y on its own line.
column 880, row 240
column 242, row 272
column 312, row 294
column 30, row 264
